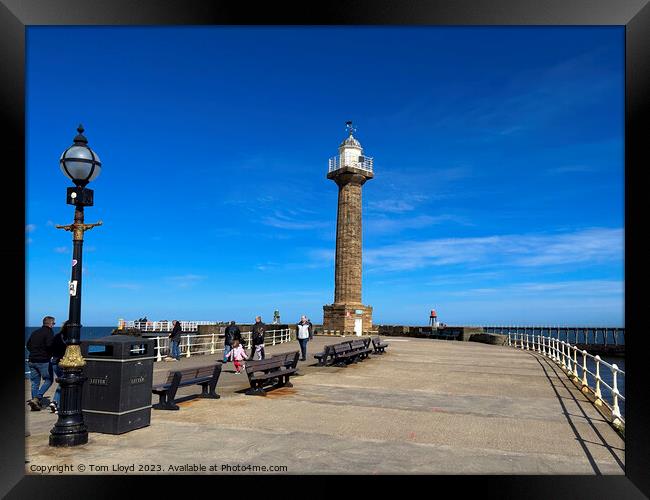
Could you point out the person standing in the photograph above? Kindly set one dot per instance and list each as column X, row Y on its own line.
column 257, row 333
column 39, row 346
column 175, row 340
column 304, row 334
column 231, row 334
column 58, row 351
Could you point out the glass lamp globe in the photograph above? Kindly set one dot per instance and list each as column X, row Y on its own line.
column 80, row 163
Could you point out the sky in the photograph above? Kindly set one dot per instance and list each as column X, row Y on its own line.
column 498, row 195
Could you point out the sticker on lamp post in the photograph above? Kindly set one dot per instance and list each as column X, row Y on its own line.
column 74, row 262
column 73, row 288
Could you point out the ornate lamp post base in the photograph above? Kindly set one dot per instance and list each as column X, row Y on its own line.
column 70, row 429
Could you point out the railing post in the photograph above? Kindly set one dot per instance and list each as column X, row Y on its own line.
column 274, row 331
column 585, row 382
column 248, row 346
column 158, row 356
column 509, row 343
column 212, row 344
column 615, row 410
column 575, row 361
column 568, row 356
column 599, row 396
column 527, row 348
column 563, row 356
column 187, row 354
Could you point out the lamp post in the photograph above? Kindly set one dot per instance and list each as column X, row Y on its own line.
column 82, row 165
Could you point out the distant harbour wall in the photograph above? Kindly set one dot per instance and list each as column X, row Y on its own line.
column 461, row 333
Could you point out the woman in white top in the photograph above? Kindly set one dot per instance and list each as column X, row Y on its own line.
column 304, row 333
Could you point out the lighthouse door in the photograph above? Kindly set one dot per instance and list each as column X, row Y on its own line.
column 358, row 325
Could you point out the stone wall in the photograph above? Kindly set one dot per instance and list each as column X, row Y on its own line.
column 463, row 333
column 340, row 317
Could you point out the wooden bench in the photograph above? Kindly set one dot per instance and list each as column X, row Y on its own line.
column 360, row 347
column 343, row 354
column 380, row 347
column 205, row 376
column 290, row 359
column 272, row 370
column 322, row 357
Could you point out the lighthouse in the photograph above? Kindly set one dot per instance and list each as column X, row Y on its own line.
column 350, row 169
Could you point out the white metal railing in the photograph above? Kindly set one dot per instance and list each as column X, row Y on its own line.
column 566, row 355
column 162, row 326
column 363, row 163
column 213, row 343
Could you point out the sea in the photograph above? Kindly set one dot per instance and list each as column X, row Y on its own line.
column 97, row 332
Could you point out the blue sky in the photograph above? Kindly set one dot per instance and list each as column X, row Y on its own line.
column 498, row 192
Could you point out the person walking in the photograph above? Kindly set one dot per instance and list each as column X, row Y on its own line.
column 231, row 333
column 257, row 332
column 237, row 354
column 39, row 346
column 304, row 334
column 175, row 340
column 58, row 351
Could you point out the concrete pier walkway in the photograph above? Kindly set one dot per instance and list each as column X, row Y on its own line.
column 426, row 406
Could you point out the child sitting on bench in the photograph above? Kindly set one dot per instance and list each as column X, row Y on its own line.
column 237, row 354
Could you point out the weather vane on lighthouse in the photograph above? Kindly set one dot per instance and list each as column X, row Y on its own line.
column 349, row 127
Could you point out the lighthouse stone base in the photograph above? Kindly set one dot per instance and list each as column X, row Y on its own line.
column 342, row 318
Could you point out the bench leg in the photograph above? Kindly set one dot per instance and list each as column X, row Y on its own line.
column 256, row 391
column 163, row 404
column 206, row 394
column 286, row 382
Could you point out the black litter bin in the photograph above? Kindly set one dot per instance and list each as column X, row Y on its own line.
column 116, row 396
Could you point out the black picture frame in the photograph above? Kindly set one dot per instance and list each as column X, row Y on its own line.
column 16, row 15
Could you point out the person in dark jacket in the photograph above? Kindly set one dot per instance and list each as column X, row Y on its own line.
column 58, row 351
column 231, row 333
column 257, row 344
column 39, row 346
column 175, row 340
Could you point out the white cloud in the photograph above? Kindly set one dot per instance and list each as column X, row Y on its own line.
column 576, row 288
column 62, row 249
column 128, row 286
column 187, row 277
column 292, row 219
column 391, row 206
column 568, row 169
column 29, row 228
column 186, row 280
column 589, row 245
column 392, row 225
